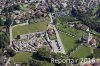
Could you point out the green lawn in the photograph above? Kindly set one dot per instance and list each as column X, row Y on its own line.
column 22, row 57
column 97, row 53
column 68, row 42
column 82, row 52
column 1, row 33
column 0, row 50
column 65, row 19
column 52, row 37
column 71, row 30
column 34, row 27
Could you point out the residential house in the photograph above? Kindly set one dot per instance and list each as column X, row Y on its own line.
column 85, row 28
column 92, row 42
column 17, row 64
column 50, row 31
column 87, row 64
column 88, row 38
column 4, row 29
column 82, row 27
column 96, row 64
column 16, row 12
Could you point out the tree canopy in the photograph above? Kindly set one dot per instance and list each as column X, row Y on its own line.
column 4, row 40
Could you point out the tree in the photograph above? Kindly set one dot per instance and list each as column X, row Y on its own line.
column 8, row 22
column 10, row 9
column 32, row 6
column 11, row 63
column 24, row 64
column 1, row 22
column 5, row 10
column 50, row 8
column 16, row 7
column 44, row 52
column 87, row 18
column 62, row 64
column 4, row 40
column 58, row 55
column 90, row 56
column 11, row 52
column 40, row 63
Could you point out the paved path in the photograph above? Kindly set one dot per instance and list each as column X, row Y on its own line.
column 10, row 30
column 54, row 46
column 8, row 61
column 58, row 37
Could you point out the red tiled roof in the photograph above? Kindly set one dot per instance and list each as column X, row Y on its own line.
column 87, row 65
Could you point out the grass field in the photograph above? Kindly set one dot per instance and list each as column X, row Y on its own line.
column 97, row 53
column 67, row 41
column 71, row 30
column 66, row 19
column 22, row 57
column 34, row 27
column 82, row 52
column 52, row 37
column 0, row 50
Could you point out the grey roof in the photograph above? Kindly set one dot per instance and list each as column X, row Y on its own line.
column 84, row 27
column 1, row 59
